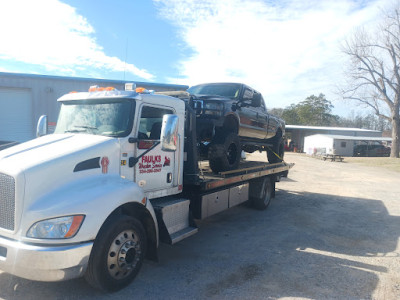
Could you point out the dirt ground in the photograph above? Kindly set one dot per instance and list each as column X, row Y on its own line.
column 332, row 232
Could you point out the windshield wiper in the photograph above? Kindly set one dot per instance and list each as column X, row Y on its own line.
column 85, row 126
column 80, row 130
column 74, row 130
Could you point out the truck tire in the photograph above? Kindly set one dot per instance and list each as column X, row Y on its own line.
column 276, row 153
column 117, row 254
column 224, row 152
column 261, row 192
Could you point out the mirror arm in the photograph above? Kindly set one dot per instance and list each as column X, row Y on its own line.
column 134, row 160
column 133, row 140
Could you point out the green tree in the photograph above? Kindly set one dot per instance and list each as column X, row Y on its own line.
column 290, row 115
column 313, row 111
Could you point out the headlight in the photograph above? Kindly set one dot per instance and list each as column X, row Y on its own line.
column 57, row 228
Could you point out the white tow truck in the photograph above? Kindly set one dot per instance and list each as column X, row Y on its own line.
column 119, row 175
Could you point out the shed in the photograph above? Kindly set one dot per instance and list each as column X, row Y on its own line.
column 336, row 144
column 299, row 132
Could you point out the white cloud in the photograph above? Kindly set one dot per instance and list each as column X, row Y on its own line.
column 52, row 34
column 288, row 49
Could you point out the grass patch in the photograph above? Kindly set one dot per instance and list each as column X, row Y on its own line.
column 392, row 164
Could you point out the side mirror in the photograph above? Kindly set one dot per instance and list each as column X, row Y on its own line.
column 41, row 128
column 256, row 100
column 169, row 133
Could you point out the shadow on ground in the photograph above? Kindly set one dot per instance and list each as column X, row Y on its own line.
column 305, row 245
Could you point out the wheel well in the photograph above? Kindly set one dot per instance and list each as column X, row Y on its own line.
column 139, row 212
column 231, row 124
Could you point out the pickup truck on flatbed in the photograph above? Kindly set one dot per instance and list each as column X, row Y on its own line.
column 232, row 117
column 120, row 174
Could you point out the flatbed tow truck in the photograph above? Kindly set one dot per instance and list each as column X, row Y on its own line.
column 119, row 175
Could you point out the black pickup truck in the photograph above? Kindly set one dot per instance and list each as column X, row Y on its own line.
column 232, row 117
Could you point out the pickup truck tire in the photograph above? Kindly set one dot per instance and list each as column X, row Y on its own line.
column 277, row 148
column 117, row 254
column 224, row 152
column 261, row 192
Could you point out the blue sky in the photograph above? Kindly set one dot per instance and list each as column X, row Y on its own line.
column 286, row 49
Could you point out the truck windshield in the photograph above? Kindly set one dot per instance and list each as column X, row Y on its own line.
column 100, row 117
column 230, row 90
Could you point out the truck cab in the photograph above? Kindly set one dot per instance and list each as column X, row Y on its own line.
column 119, row 174
column 104, row 159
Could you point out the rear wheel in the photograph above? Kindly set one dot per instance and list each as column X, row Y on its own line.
column 224, row 152
column 276, row 152
column 117, row 254
column 261, row 192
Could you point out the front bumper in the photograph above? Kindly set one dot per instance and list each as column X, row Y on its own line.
column 44, row 263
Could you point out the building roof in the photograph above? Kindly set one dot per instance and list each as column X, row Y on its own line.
column 353, row 138
column 138, row 83
column 318, row 128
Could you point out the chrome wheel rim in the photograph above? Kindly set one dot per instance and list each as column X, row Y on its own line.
column 124, row 254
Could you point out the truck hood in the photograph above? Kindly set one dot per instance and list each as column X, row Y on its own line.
column 68, row 148
column 214, row 98
column 44, row 165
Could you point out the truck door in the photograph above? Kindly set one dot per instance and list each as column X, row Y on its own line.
column 249, row 118
column 156, row 168
column 263, row 119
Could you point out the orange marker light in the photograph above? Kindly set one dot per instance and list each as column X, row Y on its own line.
column 140, row 90
column 76, row 224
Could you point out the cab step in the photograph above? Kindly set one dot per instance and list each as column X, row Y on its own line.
column 174, row 220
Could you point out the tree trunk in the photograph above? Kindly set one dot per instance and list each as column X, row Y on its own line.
column 394, row 153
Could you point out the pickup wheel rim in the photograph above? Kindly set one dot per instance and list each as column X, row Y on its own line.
column 124, row 254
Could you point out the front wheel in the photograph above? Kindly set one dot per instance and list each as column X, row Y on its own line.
column 224, row 152
column 117, row 254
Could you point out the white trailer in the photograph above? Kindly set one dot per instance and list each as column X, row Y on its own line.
column 319, row 144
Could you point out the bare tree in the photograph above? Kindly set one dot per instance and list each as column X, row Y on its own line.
column 373, row 75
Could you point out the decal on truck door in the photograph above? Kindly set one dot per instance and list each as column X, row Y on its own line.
column 153, row 164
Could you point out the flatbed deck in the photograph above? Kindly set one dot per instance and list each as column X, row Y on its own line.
column 247, row 170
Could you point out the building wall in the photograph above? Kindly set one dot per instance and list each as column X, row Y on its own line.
column 298, row 135
column 317, row 144
column 343, row 147
column 44, row 92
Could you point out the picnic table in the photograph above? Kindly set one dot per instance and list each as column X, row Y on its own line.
column 332, row 157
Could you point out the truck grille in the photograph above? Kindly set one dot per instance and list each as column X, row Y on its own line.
column 7, row 201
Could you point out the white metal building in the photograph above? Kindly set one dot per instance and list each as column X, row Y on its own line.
column 299, row 132
column 336, row 144
column 25, row 97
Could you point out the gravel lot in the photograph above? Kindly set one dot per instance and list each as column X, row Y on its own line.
column 331, row 232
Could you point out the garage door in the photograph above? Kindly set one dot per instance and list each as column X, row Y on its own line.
column 15, row 115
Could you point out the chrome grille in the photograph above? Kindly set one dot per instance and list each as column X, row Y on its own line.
column 7, row 201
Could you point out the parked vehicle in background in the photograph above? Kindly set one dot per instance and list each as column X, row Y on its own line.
column 232, row 117
column 371, row 150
